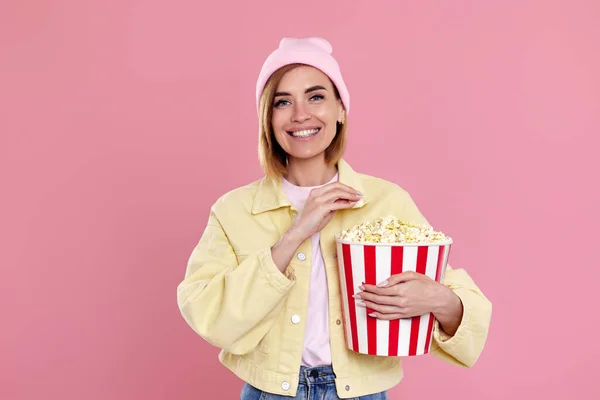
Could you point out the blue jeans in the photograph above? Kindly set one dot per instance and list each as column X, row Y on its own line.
column 316, row 383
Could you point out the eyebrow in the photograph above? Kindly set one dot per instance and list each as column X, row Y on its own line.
column 310, row 89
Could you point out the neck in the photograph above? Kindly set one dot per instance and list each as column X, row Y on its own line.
column 309, row 172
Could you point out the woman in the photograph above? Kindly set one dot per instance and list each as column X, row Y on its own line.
column 262, row 283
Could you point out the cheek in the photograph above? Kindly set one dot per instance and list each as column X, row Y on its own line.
column 326, row 114
column 278, row 120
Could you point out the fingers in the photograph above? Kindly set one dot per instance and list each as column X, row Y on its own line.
column 381, row 291
column 333, row 195
column 389, row 317
column 381, row 308
column 340, row 205
column 333, row 186
column 374, row 298
column 399, row 278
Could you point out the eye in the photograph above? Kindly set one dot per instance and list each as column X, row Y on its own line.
column 280, row 103
column 317, row 97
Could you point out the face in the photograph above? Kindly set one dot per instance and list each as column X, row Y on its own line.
column 305, row 112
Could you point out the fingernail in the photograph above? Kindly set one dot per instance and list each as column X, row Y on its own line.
column 382, row 284
column 361, row 303
column 372, row 315
column 361, row 287
column 359, row 193
column 356, row 296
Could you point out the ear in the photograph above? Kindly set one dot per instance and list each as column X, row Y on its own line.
column 341, row 113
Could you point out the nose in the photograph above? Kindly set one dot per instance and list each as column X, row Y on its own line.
column 300, row 113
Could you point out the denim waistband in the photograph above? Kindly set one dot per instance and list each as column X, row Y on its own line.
column 316, row 375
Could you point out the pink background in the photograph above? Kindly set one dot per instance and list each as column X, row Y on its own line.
column 120, row 124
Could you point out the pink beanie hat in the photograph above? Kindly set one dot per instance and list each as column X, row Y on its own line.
column 313, row 51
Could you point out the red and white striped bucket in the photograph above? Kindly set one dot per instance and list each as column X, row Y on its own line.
column 372, row 263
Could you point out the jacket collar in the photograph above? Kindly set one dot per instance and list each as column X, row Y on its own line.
column 270, row 196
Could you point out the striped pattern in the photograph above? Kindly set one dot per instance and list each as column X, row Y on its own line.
column 372, row 264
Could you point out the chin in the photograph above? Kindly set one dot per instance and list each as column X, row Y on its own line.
column 305, row 153
column 306, row 150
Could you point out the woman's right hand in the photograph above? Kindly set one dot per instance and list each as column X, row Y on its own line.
column 320, row 206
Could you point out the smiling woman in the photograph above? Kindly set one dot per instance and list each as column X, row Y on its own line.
column 263, row 285
column 302, row 117
column 305, row 120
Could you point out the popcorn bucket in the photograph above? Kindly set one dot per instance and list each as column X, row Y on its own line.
column 372, row 263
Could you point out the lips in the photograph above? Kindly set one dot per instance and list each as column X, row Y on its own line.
column 305, row 132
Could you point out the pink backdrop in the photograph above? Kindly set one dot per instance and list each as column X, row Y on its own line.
column 121, row 122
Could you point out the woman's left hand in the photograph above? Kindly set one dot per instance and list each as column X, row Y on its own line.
column 405, row 295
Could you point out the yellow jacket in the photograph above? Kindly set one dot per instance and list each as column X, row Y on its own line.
column 235, row 297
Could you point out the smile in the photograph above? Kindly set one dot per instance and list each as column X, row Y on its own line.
column 304, row 133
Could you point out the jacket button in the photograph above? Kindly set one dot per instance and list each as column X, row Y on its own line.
column 338, row 322
column 347, row 388
column 295, row 318
column 285, row 385
column 334, row 255
column 301, row 256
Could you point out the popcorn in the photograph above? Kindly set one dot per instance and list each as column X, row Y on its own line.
column 391, row 230
column 372, row 251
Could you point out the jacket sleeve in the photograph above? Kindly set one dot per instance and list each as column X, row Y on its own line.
column 231, row 305
column 466, row 345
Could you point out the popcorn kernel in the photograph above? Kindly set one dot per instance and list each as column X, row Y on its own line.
column 391, row 230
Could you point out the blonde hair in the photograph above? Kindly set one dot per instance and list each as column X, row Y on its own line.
column 273, row 159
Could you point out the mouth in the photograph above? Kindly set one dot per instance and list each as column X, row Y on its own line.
column 303, row 134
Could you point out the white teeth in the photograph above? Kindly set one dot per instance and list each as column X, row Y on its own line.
column 305, row 133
